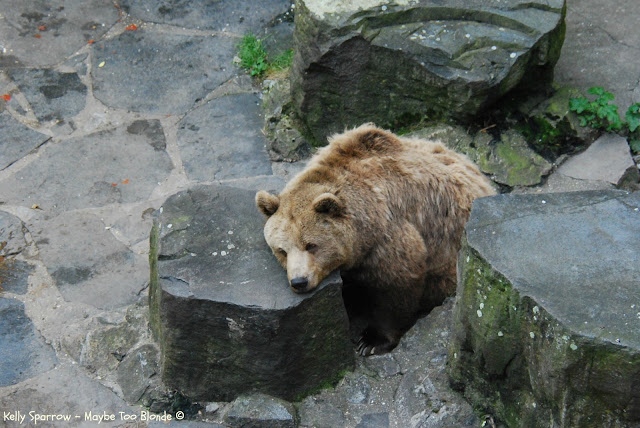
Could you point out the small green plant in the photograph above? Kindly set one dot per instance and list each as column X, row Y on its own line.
column 282, row 61
column 601, row 113
column 254, row 58
column 633, row 120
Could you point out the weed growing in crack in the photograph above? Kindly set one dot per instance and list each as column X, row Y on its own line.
column 255, row 59
column 601, row 113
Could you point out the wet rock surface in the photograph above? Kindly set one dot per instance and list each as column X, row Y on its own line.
column 209, row 256
column 546, row 323
column 373, row 61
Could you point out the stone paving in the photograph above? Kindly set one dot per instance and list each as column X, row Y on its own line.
column 109, row 107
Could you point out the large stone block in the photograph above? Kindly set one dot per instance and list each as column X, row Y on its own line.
column 547, row 321
column 222, row 310
column 372, row 60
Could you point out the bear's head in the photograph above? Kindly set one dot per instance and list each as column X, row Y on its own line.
column 308, row 231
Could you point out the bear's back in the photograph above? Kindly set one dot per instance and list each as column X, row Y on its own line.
column 386, row 178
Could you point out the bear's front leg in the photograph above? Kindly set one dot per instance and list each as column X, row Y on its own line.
column 395, row 278
column 392, row 314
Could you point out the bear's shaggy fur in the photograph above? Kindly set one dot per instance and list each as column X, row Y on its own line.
column 388, row 212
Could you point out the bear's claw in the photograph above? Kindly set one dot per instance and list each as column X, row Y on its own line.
column 364, row 349
column 371, row 343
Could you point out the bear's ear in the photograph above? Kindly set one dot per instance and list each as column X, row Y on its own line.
column 267, row 203
column 328, row 203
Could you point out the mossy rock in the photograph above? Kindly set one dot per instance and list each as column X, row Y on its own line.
column 508, row 160
column 552, row 128
column 285, row 142
column 392, row 63
column 546, row 330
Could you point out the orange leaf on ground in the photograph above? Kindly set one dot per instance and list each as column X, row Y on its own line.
column 114, row 184
column 38, row 36
column 42, row 27
column 132, row 27
column 91, row 42
column 125, row 181
column 6, row 97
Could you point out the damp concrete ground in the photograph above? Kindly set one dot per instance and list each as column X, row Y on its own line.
column 109, row 107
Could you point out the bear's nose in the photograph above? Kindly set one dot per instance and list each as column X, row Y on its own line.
column 299, row 283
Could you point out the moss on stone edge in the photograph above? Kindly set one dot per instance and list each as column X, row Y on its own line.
column 328, row 383
column 514, row 361
column 154, row 286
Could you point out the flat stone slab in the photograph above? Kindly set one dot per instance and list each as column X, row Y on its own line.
column 261, row 410
column 17, row 140
column 370, row 60
column 548, row 312
column 232, row 146
column 222, row 310
column 52, row 95
column 22, row 351
column 130, row 71
column 608, row 159
column 65, row 390
column 87, row 263
column 240, row 17
column 92, row 171
column 42, row 33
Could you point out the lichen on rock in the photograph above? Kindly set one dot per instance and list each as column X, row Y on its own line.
column 550, row 333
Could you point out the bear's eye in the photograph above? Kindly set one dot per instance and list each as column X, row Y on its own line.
column 311, row 247
column 282, row 252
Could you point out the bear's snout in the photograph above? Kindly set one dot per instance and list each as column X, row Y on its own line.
column 299, row 284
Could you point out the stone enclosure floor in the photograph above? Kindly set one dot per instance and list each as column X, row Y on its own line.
column 109, row 107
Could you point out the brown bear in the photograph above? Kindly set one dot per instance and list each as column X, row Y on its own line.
column 388, row 212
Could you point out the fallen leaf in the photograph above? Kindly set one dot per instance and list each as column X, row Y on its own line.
column 35, row 207
column 42, row 27
column 132, row 27
column 38, row 36
column 101, row 64
column 125, row 181
column 114, row 184
column 91, row 42
column 6, row 97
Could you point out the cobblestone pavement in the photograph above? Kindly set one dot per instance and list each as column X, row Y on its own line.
column 107, row 107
